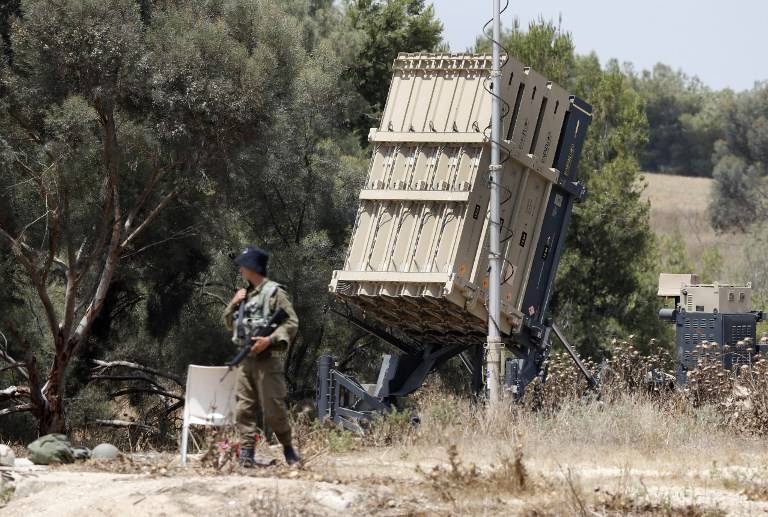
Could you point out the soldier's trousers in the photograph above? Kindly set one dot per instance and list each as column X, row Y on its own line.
column 261, row 389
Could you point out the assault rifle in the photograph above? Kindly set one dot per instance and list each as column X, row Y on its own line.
column 275, row 321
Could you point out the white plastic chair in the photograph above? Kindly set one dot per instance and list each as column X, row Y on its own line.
column 209, row 400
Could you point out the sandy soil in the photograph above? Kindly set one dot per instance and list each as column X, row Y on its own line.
column 393, row 481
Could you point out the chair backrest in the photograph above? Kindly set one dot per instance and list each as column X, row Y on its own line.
column 209, row 399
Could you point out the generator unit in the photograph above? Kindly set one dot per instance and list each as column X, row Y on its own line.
column 416, row 271
column 718, row 316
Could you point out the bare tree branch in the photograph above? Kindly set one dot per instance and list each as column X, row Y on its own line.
column 167, row 199
column 13, row 366
column 174, row 407
column 52, row 209
column 113, row 255
column 34, row 275
column 83, row 266
column 148, row 189
column 70, row 294
column 216, row 297
column 30, row 224
column 125, row 423
column 14, row 392
column 143, row 199
column 150, row 391
column 18, row 247
column 186, row 232
column 26, row 125
column 105, row 365
column 35, row 390
column 16, row 409
column 80, row 250
column 99, row 377
column 70, row 302
column 10, row 360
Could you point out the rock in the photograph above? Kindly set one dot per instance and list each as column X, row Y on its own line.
column 105, row 451
column 81, row 453
column 336, row 499
column 7, row 456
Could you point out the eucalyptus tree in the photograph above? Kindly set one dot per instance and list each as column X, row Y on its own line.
column 114, row 116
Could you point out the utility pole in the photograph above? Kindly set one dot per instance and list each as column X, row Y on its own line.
column 493, row 356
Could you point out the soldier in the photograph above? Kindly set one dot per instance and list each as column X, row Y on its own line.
column 261, row 375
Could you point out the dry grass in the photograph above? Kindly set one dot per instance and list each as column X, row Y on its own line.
column 680, row 204
column 633, row 451
column 636, row 449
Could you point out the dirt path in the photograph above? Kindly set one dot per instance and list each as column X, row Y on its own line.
column 67, row 493
column 389, row 482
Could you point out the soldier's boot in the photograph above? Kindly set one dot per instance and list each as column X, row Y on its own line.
column 291, row 456
column 246, row 458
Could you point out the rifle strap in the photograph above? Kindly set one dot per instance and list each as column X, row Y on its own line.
column 236, row 326
column 241, row 312
column 269, row 290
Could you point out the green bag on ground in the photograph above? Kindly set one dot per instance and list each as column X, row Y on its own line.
column 50, row 449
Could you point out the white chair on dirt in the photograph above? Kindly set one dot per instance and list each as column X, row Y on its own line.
column 209, row 400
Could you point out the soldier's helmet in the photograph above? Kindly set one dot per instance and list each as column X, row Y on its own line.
column 253, row 258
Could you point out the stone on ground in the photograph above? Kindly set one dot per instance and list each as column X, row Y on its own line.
column 7, row 456
column 105, row 451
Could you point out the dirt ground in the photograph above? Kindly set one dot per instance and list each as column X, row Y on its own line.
column 394, row 481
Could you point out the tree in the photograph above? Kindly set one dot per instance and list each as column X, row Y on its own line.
column 683, row 118
column 741, row 162
column 607, row 285
column 386, row 28
column 8, row 9
column 674, row 257
column 542, row 46
column 121, row 124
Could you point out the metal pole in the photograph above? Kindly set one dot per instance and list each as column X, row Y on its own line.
column 493, row 357
column 323, row 387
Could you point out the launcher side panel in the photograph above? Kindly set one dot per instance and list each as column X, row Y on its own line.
column 418, row 257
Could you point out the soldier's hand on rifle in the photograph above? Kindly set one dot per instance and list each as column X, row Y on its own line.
column 259, row 344
column 239, row 296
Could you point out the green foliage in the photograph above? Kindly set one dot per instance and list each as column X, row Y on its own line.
column 756, row 262
column 542, row 46
column 386, row 28
column 444, row 412
column 604, row 283
column 390, row 428
column 712, row 263
column 335, row 439
column 741, row 162
column 673, row 255
column 240, row 107
column 684, row 118
column 6, row 491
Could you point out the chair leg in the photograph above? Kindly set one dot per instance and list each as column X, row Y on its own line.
column 194, row 441
column 184, row 437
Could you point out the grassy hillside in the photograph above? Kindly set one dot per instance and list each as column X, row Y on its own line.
column 681, row 204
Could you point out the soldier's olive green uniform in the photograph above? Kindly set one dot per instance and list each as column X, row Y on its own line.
column 261, row 377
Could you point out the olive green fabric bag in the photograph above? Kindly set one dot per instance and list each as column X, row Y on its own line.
column 50, row 449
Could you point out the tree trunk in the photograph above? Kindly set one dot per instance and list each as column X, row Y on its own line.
column 53, row 419
column 52, row 416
